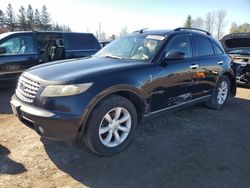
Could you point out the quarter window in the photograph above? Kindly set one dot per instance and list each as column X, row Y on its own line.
column 18, row 45
column 81, row 42
column 203, row 46
column 180, row 43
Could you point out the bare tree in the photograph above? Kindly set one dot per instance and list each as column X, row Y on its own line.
column 220, row 23
column 210, row 21
column 102, row 36
column 124, row 31
column 198, row 23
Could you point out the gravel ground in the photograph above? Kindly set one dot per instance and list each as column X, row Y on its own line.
column 195, row 147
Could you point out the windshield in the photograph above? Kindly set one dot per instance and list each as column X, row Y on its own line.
column 242, row 51
column 132, row 47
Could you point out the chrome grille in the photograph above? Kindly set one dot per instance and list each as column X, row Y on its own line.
column 26, row 89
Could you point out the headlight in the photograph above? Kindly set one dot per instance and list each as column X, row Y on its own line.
column 65, row 90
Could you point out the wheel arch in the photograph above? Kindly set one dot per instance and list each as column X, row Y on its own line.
column 232, row 80
column 130, row 93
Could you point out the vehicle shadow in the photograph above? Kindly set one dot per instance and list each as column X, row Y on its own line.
column 5, row 96
column 195, row 147
column 8, row 166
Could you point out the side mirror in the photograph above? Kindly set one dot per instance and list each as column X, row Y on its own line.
column 2, row 50
column 174, row 55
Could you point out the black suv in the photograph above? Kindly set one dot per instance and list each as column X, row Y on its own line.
column 22, row 50
column 100, row 100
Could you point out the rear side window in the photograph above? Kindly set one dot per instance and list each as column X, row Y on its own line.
column 218, row 50
column 81, row 42
column 203, row 46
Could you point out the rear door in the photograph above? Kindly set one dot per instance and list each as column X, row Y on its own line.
column 21, row 54
column 210, row 65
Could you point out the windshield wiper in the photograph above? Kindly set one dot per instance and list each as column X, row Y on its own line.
column 112, row 57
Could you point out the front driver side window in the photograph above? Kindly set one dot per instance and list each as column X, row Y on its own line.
column 18, row 45
column 180, row 43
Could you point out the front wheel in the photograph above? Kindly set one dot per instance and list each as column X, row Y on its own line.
column 111, row 126
column 220, row 93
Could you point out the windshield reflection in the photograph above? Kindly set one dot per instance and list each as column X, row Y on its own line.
column 132, row 47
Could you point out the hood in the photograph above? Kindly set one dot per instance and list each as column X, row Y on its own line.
column 236, row 41
column 68, row 71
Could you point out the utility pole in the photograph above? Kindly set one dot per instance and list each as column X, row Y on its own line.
column 99, row 30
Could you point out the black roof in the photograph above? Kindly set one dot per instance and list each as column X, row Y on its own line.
column 44, row 32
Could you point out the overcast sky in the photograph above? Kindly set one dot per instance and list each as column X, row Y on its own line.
column 83, row 15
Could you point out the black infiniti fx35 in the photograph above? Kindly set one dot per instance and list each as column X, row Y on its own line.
column 99, row 100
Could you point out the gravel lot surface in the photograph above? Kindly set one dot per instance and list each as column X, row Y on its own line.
column 195, row 147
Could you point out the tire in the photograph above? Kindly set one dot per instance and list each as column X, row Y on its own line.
column 220, row 94
column 104, row 135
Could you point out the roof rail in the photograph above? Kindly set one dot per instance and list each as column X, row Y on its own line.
column 194, row 29
column 140, row 31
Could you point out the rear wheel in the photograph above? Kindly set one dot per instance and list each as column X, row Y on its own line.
column 111, row 126
column 220, row 93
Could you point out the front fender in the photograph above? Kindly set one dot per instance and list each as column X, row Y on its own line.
column 100, row 95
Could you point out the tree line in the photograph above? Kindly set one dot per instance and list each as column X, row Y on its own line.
column 215, row 23
column 28, row 19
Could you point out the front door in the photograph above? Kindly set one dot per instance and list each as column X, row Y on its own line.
column 20, row 54
column 173, row 81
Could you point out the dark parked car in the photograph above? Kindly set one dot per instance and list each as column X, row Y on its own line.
column 237, row 45
column 104, row 43
column 22, row 50
column 100, row 100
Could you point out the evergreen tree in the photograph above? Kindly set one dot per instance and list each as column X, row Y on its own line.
column 37, row 20
column 57, row 27
column 10, row 19
column 45, row 19
column 30, row 18
column 188, row 22
column 2, row 21
column 22, row 23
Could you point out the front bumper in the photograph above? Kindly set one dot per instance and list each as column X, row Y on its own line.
column 59, row 126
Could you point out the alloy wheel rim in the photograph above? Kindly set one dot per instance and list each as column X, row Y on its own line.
column 115, row 127
column 222, row 92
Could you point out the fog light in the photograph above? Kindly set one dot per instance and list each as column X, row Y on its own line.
column 40, row 129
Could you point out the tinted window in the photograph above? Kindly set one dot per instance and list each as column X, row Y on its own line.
column 203, row 46
column 18, row 45
column 218, row 49
column 81, row 42
column 180, row 43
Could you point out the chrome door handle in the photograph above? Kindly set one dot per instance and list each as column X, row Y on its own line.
column 220, row 62
column 194, row 66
